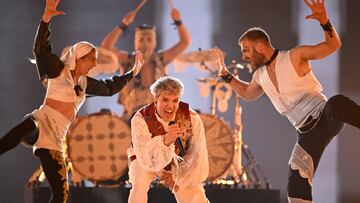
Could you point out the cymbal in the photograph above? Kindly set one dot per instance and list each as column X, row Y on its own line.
column 209, row 81
column 197, row 56
column 233, row 64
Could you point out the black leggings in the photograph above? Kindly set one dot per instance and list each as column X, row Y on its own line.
column 54, row 167
column 338, row 111
column 26, row 131
column 52, row 161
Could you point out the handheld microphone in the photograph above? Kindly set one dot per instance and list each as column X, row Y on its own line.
column 178, row 142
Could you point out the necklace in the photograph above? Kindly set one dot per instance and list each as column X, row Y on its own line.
column 267, row 63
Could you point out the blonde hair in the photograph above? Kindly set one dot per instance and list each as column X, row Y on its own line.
column 168, row 85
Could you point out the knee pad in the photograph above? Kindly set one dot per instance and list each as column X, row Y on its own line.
column 301, row 175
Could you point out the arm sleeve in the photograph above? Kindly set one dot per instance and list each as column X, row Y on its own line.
column 109, row 86
column 152, row 154
column 48, row 64
column 195, row 169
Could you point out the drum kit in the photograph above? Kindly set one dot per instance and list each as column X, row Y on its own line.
column 97, row 143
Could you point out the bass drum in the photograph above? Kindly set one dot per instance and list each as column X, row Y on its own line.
column 97, row 145
column 220, row 145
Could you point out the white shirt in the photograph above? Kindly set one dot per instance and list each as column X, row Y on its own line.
column 61, row 88
column 153, row 155
column 298, row 97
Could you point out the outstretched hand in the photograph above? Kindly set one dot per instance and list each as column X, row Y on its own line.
column 219, row 62
column 51, row 10
column 318, row 10
column 139, row 62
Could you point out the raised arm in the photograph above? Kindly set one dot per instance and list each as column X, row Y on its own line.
column 48, row 64
column 184, row 38
column 248, row 91
column 112, row 37
column 301, row 55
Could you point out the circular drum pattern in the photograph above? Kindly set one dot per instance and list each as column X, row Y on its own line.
column 220, row 145
column 97, row 146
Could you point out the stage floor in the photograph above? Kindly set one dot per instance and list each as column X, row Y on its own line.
column 156, row 195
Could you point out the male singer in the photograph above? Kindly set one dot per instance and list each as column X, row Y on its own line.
column 157, row 130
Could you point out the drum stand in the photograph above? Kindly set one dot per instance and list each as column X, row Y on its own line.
column 251, row 170
column 238, row 175
column 235, row 175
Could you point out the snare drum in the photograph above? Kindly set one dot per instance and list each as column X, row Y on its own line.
column 220, row 144
column 97, row 145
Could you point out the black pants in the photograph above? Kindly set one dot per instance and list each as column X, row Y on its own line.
column 25, row 131
column 54, row 167
column 338, row 111
column 52, row 161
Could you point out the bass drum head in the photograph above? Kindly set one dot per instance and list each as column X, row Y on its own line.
column 220, row 145
column 97, row 146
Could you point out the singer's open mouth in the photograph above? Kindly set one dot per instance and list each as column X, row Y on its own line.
column 168, row 113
